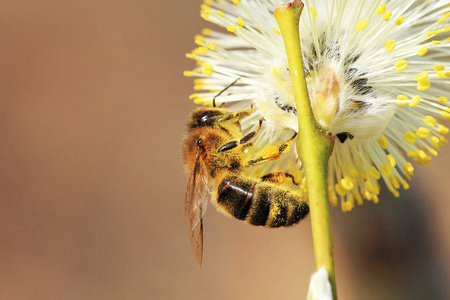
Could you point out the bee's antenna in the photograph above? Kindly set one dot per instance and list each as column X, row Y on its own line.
column 220, row 93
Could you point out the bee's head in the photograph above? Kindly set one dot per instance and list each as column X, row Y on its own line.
column 205, row 117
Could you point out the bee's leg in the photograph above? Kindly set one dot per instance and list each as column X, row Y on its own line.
column 279, row 177
column 237, row 115
column 271, row 152
column 243, row 141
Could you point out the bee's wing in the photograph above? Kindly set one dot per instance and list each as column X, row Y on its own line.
column 196, row 200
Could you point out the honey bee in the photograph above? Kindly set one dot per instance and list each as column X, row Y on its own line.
column 214, row 157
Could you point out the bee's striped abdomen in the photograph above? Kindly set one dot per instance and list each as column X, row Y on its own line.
column 260, row 203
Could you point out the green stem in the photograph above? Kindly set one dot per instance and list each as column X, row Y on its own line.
column 313, row 143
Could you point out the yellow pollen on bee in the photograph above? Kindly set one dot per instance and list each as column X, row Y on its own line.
column 423, row 132
column 232, row 28
column 313, row 11
column 382, row 140
column 423, row 85
column 439, row 67
column 220, row 13
column 387, row 16
column 347, row 183
column 440, row 74
column 409, row 137
column 373, row 172
column 422, row 51
column 414, row 101
column 442, row 99
column 400, row 65
column 391, row 160
column 361, row 25
column 430, row 121
column 443, row 130
column 340, row 189
column 435, row 42
column 389, row 45
column 241, row 22
column 400, row 20
column 381, row 9
column 386, row 170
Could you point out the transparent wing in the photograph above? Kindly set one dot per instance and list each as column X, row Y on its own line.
column 196, row 200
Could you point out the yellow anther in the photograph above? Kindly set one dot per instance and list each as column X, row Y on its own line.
column 198, row 87
column 332, row 196
column 361, row 25
column 358, row 198
column 442, row 99
column 382, row 140
column 369, row 186
column 389, row 45
column 446, row 114
column 423, row 132
column 387, row 16
column 439, row 67
column 207, row 70
column 404, row 103
column 409, row 169
column 232, row 28
column 340, row 189
column 423, row 85
column 193, row 96
column 368, row 195
column 381, row 9
column 391, row 160
column 409, row 137
column 402, row 97
column 444, row 140
column 353, row 171
column 405, row 185
column 414, row 101
column 313, row 11
column 199, row 42
column 435, row 42
column 432, row 151
column 394, row 182
column 188, row 73
column 422, row 51
column 348, row 206
column 412, row 154
column 435, row 139
column 373, row 172
column 447, row 74
column 208, row 2
column 422, row 76
column 205, row 16
column 206, row 31
column 431, row 33
column 200, row 51
column 440, row 74
column 220, row 13
column 443, row 130
column 430, row 121
column 394, row 192
column 347, row 183
column 198, row 100
column 236, row 1
column 375, row 199
column 447, row 28
column 241, row 22
column 400, row 65
column 400, row 20
column 386, row 170
column 210, row 45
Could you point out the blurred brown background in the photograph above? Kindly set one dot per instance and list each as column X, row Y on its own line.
column 93, row 107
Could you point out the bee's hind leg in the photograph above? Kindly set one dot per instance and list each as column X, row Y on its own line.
column 271, row 152
column 279, row 177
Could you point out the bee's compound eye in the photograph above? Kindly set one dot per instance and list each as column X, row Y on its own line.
column 199, row 143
